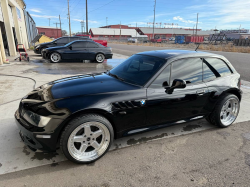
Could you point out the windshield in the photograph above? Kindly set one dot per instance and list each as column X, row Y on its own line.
column 138, row 69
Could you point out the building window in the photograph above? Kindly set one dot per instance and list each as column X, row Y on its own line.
column 42, row 33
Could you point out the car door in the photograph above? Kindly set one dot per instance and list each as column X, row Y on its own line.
column 92, row 50
column 182, row 103
column 77, row 50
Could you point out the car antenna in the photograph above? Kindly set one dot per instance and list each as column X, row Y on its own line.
column 197, row 47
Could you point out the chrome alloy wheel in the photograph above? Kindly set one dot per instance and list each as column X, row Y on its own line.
column 100, row 57
column 88, row 141
column 229, row 111
column 55, row 57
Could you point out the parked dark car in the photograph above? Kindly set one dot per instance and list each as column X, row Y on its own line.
column 84, row 114
column 78, row 50
column 58, row 42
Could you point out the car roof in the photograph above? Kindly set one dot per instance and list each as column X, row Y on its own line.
column 166, row 54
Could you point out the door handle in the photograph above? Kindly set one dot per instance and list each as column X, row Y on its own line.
column 200, row 92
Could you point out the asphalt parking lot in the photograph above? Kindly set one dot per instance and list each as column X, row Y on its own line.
column 189, row 154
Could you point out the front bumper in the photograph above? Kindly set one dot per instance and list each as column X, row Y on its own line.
column 37, row 138
column 108, row 56
column 37, row 50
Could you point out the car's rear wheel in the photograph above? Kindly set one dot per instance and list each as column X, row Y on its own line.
column 87, row 138
column 55, row 57
column 100, row 58
column 226, row 111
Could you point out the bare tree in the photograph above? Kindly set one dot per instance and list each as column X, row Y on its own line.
column 64, row 32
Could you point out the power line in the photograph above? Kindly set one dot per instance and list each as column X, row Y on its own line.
column 102, row 6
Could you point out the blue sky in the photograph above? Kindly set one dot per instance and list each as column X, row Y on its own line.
column 222, row 14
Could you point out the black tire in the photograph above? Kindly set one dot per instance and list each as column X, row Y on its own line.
column 97, row 59
column 60, row 58
column 75, row 123
column 215, row 117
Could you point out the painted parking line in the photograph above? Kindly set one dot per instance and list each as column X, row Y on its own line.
column 15, row 156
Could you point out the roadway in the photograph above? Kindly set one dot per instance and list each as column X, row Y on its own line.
column 240, row 61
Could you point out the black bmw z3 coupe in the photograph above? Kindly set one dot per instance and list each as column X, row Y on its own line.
column 83, row 114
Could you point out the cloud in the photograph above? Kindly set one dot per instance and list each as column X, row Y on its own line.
column 43, row 16
column 35, row 10
column 90, row 21
column 227, row 13
column 183, row 20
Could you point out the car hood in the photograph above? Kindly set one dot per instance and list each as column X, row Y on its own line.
column 46, row 43
column 87, row 84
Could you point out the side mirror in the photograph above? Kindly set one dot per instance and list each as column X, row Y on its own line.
column 70, row 47
column 177, row 83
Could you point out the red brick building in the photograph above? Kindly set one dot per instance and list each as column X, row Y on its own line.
column 51, row 32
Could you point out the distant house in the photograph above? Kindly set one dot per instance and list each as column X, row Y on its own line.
column 51, row 32
column 40, row 38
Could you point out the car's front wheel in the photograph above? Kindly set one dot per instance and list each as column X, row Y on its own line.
column 55, row 57
column 100, row 58
column 86, row 138
column 225, row 112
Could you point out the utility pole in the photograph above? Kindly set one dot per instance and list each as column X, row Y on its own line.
column 56, row 29
column 154, row 22
column 120, row 29
column 87, row 29
column 49, row 21
column 193, row 30
column 82, row 26
column 60, row 24
column 69, row 20
column 136, row 30
column 197, row 24
column 106, row 21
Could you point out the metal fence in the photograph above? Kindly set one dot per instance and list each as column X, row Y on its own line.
column 30, row 28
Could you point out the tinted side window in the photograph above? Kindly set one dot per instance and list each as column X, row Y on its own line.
column 79, row 44
column 189, row 69
column 219, row 65
column 208, row 74
column 63, row 40
column 163, row 77
column 91, row 45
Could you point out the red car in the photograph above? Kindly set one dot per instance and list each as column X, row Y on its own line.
column 103, row 42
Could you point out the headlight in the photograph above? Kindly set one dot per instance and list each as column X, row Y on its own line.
column 35, row 119
column 37, row 46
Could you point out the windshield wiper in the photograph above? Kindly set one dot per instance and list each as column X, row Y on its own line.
column 117, row 77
